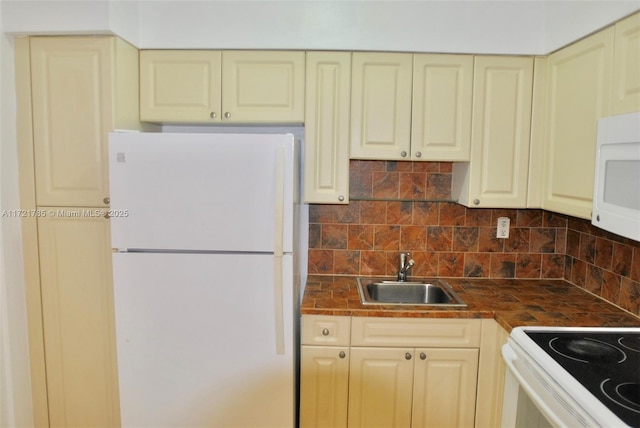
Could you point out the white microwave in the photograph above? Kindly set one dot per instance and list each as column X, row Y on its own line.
column 616, row 190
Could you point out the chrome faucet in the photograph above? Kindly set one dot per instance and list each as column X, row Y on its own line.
column 404, row 265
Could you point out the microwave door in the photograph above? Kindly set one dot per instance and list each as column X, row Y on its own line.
column 616, row 196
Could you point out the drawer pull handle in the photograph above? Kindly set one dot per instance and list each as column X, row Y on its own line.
column 325, row 332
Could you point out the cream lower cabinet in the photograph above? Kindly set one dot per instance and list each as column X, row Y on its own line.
column 412, row 387
column 380, row 387
column 324, row 386
column 326, row 166
column 497, row 174
column 578, row 94
column 324, row 372
column 444, row 387
column 77, row 313
column 396, row 372
column 208, row 86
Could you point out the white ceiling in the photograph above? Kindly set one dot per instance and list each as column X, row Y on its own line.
column 460, row 26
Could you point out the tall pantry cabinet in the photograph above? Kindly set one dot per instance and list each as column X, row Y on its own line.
column 72, row 91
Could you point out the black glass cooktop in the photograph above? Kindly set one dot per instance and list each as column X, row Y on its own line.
column 605, row 363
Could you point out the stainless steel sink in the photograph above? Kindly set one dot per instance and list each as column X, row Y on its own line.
column 436, row 292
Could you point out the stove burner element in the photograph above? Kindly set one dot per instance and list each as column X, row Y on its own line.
column 632, row 343
column 626, row 394
column 587, row 350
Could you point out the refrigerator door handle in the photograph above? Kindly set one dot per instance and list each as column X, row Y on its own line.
column 278, row 251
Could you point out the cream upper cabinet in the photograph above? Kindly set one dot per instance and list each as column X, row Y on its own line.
column 441, row 107
column 381, row 87
column 327, row 118
column 228, row 86
column 263, row 86
column 626, row 66
column 578, row 94
column 180, row 86
column 77, row 312
column 444, row 387
column 82, row 88
column 497, row 173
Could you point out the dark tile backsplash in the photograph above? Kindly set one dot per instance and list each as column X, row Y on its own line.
column 406, row 206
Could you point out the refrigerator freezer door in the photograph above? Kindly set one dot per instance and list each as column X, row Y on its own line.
column 197, row 343
column 210, row 192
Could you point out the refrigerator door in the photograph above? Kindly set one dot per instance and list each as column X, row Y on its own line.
column 197, row 341
column 202, row 192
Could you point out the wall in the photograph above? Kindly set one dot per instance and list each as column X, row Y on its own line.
column 406, row 206
column 15, row 383
column 463, row 26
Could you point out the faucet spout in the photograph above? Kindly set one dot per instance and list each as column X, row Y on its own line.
column 404, row 265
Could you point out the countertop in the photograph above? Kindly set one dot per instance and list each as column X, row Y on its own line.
column 511, row 302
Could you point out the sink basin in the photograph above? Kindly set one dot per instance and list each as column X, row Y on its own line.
column 436, row 292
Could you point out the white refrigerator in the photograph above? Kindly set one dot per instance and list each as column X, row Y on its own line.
column 206, row 232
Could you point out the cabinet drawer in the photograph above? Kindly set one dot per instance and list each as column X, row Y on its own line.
column 456, row 333
column 325, row 330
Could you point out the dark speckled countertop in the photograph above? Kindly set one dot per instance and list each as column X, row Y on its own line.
column 511, row 302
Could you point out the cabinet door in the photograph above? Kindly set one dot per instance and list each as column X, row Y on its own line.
column 381, row 105
column 578, row 89
column 77, row 309
column 71, row 80
column 626, row 66
column 180, row 86
column 326, row 166
column 324, row 386
column 441, row 113
column 380, row 387
column 497, row 173
column 444, row 390
column 263, row 86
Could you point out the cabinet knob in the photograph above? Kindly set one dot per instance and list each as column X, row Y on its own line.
column 106, row 200
column 106, row 215
column 325, row 332
column 418, row 154
column 407, row 356
column 476, row 202
column 341, row 198
column 342, row 354
column 403, row 154
column 227, row 115
column 212, row 115
column 423, row 356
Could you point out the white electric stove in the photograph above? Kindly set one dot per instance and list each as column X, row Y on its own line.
column 573, row 377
